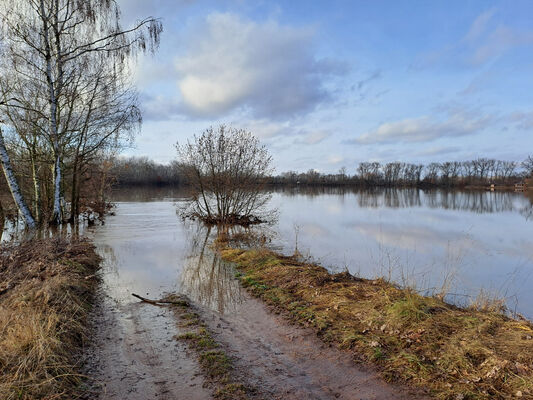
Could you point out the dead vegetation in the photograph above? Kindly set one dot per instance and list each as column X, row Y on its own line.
column 46, row 289
column 451, row 353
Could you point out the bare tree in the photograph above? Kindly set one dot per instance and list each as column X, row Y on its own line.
column 227, row 168
column 14, row 186
column 527, row 164
column 48, row 45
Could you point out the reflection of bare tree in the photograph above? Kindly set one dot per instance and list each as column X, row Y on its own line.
column 476, row 201
column 527, row 210
column 207, row 279
column 110, row 261
column 480, row 202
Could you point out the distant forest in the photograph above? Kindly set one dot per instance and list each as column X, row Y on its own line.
column 141, row 171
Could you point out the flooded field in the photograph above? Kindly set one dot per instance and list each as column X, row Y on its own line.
column 460, row 243
column 148, row 250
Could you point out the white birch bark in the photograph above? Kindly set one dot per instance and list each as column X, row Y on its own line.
column 13, row 185
column 56, row 215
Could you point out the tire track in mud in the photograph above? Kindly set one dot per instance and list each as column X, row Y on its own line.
column 134, row 355
column 288, row 362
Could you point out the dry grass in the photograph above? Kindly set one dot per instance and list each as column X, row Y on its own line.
column 44, row 301
column 450, row 352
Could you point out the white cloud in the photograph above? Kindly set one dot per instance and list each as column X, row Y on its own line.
column 425, row 129
column 313, row 137
column 438, row 150
column 522, row 119
column 265, row 129
column 486, row 40
column 335, row 159
column 480, row 25
column 498, row 42
column 265, row 68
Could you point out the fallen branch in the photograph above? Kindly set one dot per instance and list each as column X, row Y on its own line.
column 162, row 301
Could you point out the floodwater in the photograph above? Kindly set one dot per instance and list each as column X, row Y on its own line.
column 459, row 243
column 134, row 353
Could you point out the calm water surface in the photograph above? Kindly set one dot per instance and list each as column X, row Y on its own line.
column 460, row 242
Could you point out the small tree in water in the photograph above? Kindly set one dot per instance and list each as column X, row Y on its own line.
column 227, row 168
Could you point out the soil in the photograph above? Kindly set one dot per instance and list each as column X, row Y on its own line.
column 284, row 361
column 134, row 355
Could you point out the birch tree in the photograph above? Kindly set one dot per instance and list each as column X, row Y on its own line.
column 14, row 186
column 49, row 45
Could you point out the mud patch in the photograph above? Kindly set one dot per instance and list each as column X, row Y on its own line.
column 134, row 355
column 289, row 362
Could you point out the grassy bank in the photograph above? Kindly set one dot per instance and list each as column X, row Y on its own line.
column 46, row 289
column 450, row 352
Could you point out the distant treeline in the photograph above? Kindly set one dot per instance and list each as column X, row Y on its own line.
column 479, row 172
column 141, row 171
column 137, row 171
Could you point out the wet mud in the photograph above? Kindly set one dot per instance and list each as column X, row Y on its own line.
column 134, row 355
column 283, row 361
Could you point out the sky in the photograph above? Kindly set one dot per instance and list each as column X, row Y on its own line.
column 328, row 84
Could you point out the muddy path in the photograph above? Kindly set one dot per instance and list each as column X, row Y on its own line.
column 134, row 353
column 284, row 361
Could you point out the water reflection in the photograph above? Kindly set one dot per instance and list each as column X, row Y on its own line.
column 148, row 250
column 460, row 242
column 206, row 279
column 15, row 230
column 475, row 201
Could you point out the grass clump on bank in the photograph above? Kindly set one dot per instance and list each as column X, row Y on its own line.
column 46, row 289
column 215, row 363
column 453, row 353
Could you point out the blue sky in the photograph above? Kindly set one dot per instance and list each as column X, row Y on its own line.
column 326, row 84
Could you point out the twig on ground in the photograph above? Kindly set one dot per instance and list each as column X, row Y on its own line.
column 161, row 301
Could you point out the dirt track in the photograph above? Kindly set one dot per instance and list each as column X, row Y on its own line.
column 289, row 362
column 136, row 356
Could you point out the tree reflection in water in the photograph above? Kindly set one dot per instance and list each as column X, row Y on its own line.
column 205, row 278
column 476, row 201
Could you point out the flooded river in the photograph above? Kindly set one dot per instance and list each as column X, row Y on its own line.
column 461, row 243
column 148, row 250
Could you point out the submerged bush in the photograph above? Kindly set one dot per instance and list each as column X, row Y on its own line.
column 227, row 168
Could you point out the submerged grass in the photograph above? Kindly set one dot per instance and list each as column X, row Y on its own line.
column 450, row 352
column 46, row 289
column 215, row 363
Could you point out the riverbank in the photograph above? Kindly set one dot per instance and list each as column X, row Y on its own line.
column 452, row 353
column 46, row 293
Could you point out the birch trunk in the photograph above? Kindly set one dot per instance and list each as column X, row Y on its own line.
column 13, row 185
column 36, row 189
column 56, row 215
